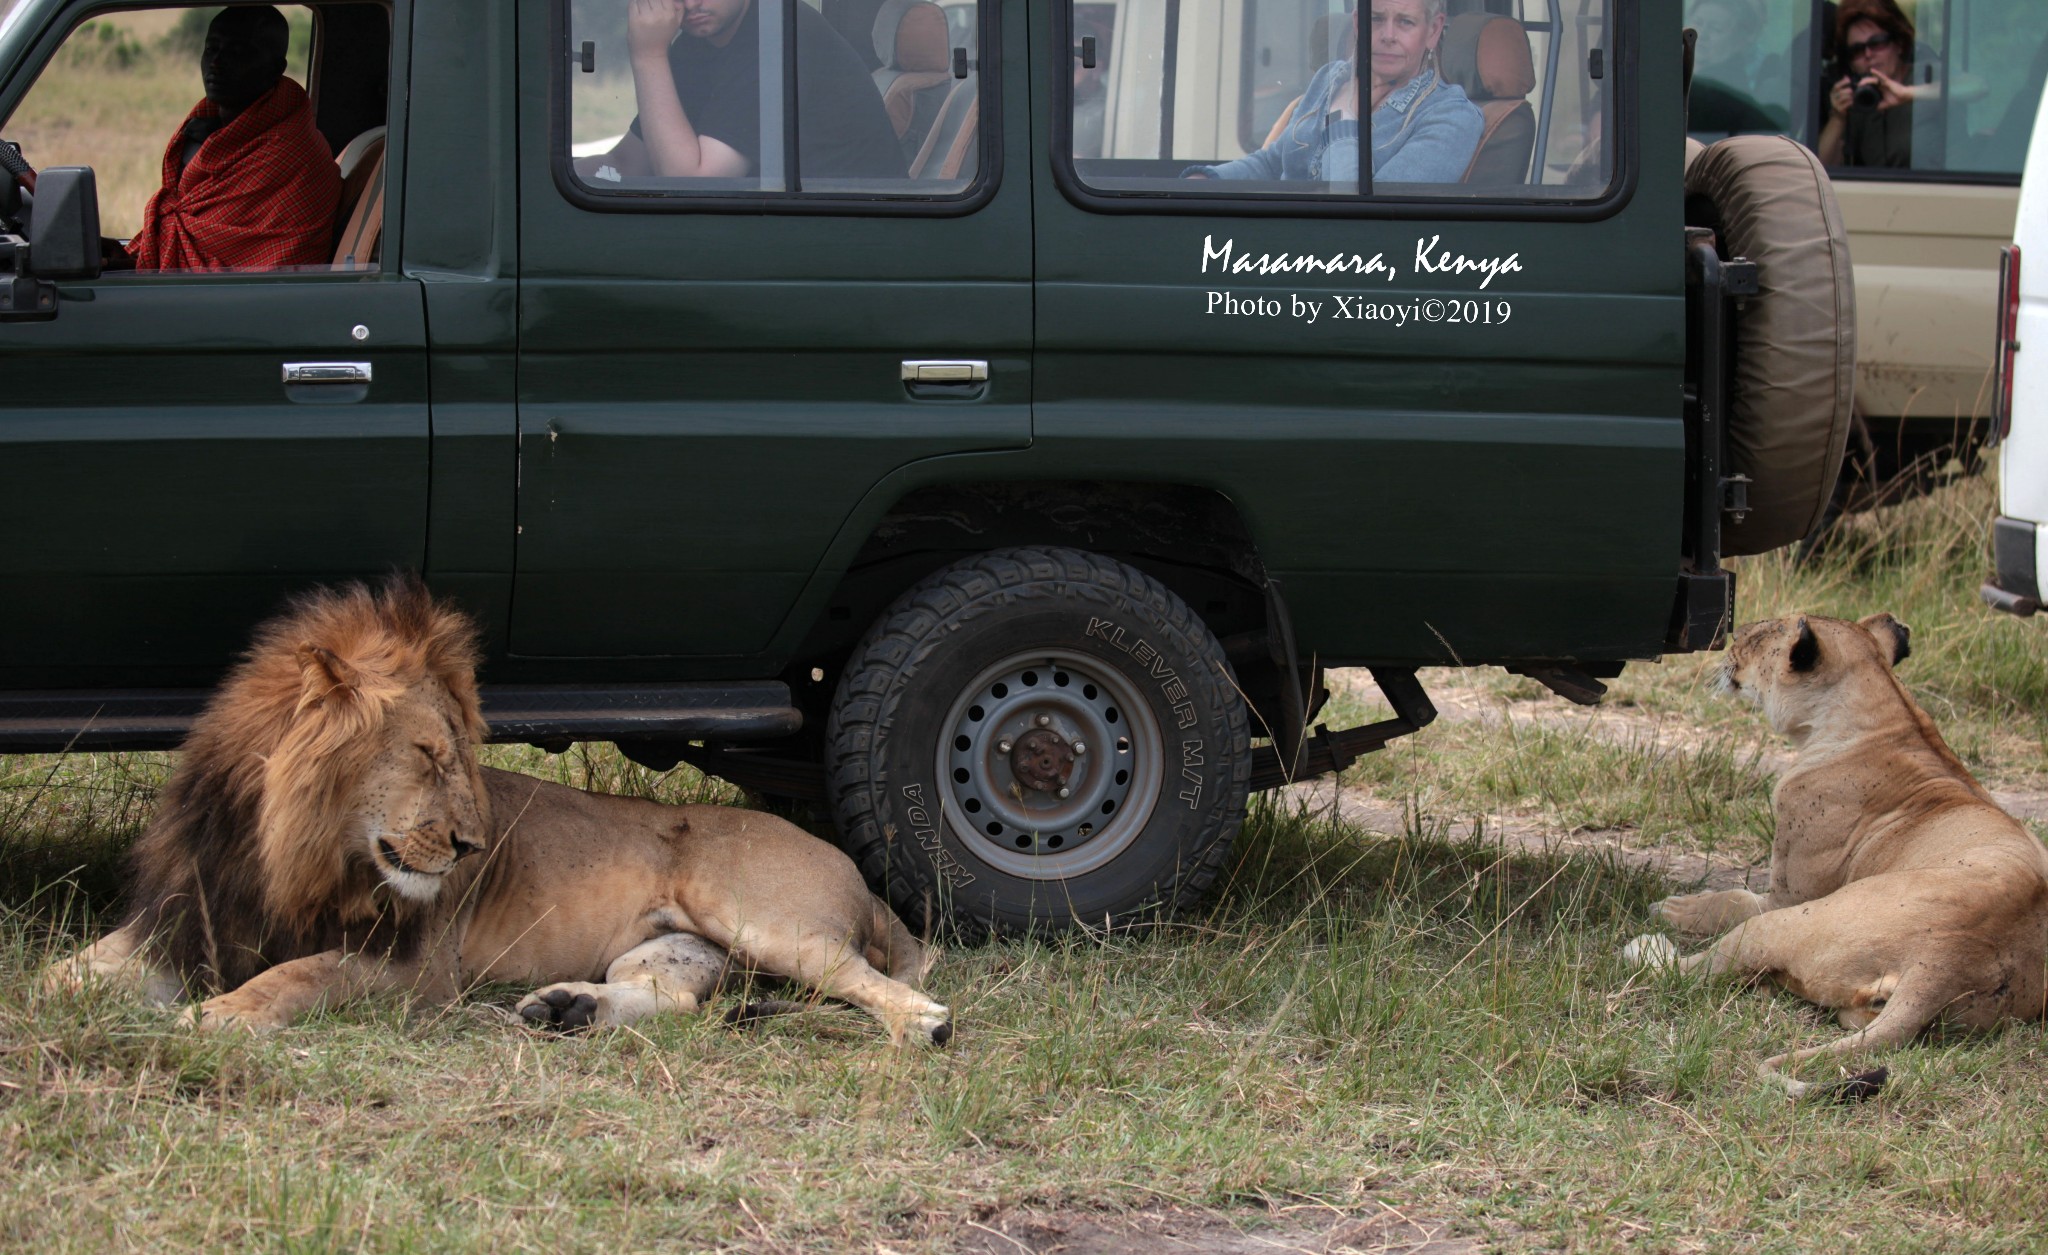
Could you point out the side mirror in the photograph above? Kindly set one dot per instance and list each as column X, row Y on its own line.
column 64, row 225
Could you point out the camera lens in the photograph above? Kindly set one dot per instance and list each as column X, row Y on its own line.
column 1866, row 96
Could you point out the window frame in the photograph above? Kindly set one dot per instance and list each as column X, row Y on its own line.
column 40, row 46
column 988, row 176
column 1623, row 74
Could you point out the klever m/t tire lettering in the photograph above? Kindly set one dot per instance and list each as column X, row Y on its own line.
column 1036, row 737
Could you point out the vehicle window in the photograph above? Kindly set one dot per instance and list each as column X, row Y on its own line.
column 239, row 172
column 885, row 99
column 1946, row 88
column 1263, row 97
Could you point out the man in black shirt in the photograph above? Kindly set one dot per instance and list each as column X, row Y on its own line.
column 697, row 79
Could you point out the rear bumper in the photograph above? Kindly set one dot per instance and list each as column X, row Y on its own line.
column 2016, row 587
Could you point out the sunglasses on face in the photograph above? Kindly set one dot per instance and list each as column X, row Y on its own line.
column 1871, row 44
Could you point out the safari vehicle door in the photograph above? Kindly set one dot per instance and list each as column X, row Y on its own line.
column 181, row 449
column 714, row 371
column 1435, row 393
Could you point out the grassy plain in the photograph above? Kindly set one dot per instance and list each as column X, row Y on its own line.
column 1360, row 1020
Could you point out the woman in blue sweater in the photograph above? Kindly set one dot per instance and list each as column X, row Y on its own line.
column 1424, row 130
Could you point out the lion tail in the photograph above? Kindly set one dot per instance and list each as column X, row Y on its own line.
column 1903, row 1018
column 892, row 949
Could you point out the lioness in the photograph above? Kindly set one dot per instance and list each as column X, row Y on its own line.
column 1900, row 893
column 329, row 832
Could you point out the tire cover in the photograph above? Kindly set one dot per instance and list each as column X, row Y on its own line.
column 1795, row 342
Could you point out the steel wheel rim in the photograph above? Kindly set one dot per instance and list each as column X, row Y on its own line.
column 1005, row 802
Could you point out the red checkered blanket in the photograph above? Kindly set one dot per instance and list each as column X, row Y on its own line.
column 260, row 192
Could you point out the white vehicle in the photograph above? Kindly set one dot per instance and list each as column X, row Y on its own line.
column 2020, row 396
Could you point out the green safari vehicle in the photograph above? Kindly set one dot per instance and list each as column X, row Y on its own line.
column 1011, row 504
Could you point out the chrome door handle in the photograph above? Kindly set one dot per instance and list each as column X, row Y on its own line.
column 945, row 372
column 327, row 372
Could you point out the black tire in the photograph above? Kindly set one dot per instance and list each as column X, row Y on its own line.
column 969, row 706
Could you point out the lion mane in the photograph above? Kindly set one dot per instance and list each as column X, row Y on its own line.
column 243, row 866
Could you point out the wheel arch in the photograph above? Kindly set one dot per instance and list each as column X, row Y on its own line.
column 1191, row 538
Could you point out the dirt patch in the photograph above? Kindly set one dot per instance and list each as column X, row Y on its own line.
column 1361, row 807
column 1459, row 700
column 1387, row 1232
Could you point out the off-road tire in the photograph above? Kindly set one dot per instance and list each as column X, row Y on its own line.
column 959, row 832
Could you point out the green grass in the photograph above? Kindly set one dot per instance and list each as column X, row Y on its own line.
column 1360, row 1017
column 1401, row 1017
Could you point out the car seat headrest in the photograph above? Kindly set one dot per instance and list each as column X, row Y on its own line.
column 1488, row 56
column 910, row 35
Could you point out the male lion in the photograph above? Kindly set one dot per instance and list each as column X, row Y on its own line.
column 315, row 844
column 1900, row 893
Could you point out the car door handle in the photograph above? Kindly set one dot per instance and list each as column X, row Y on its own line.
column 928, row 371
column 327, row 372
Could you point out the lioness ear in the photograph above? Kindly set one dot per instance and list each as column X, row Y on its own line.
column 325, row 673
column 1894, row 637
column 1805, row 650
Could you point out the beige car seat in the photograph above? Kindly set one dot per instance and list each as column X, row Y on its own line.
column 1489, row 57
column 916, row 74
column 361, row 214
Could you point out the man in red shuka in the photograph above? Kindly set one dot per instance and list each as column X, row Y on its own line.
column 249, row 182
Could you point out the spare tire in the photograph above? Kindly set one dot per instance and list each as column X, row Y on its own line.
column 1795, row 341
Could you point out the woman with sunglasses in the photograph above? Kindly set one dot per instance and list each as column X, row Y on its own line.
column 1870, row 111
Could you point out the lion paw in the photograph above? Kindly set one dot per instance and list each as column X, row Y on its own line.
column 66, row 976
column 566, row 1008
column 218, row 1015
column 1708, row 914
column 1650, row 950
column 934, row 1029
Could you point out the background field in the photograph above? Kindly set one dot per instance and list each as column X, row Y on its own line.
column 1399, row 1017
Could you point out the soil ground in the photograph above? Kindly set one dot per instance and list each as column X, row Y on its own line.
column 1390, row 1232
column 1459, row 700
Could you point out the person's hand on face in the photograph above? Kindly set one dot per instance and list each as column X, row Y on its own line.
column 651, row 26
column 1874, row 58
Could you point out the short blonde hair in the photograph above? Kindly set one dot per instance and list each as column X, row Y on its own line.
column 1430, row 8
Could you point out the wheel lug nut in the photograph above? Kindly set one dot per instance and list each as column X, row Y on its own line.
column 1045, row 721
column 1080, row 747
column 1064, row 791
column 1002, row 747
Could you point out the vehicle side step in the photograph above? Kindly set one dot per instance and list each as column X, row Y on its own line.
column 550, row 716
column 54, row 721
column 1329, row 751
